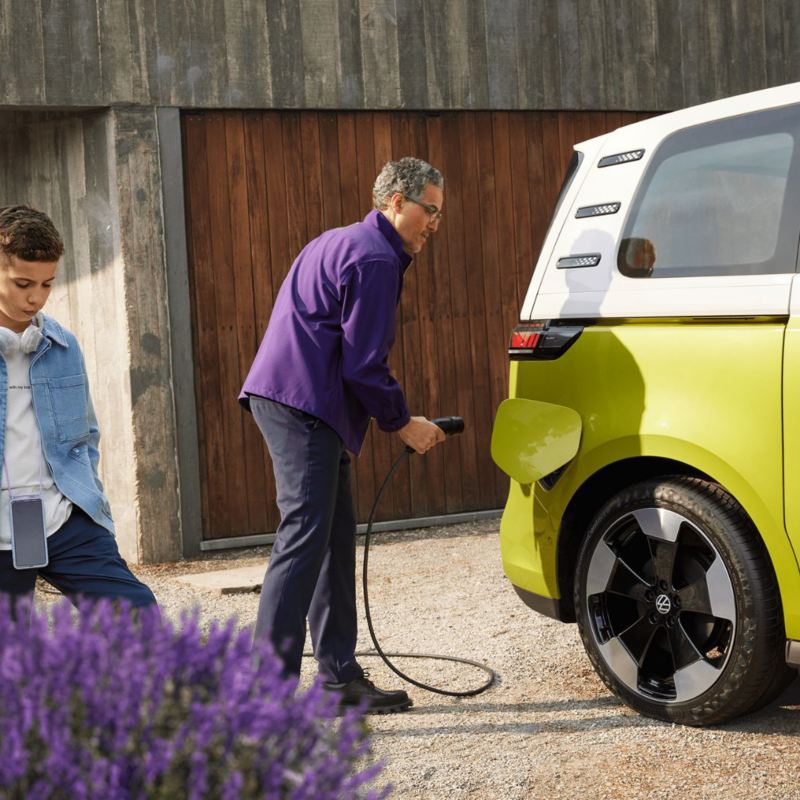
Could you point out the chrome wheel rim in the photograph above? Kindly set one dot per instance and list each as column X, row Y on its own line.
column 660, row 605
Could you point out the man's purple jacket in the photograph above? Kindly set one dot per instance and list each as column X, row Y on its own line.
column 327, row 344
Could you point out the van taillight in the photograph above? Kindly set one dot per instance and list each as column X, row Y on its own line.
column 533, row 341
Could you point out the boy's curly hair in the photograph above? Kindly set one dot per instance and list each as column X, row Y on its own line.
column 29, row 234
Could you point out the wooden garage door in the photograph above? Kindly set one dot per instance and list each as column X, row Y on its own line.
column 259, row 185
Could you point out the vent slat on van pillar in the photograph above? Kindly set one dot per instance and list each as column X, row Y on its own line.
column 597, row 211
column 620, row 158
column 576, row 262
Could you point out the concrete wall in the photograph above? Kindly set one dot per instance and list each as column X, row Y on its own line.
column 97, row 174
column 637, row 55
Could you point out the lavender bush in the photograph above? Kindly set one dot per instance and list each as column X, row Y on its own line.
column 97, row 703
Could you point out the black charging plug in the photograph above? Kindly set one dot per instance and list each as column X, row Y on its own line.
column 450, row 425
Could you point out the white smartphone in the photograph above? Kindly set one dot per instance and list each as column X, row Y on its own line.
column 28, row 533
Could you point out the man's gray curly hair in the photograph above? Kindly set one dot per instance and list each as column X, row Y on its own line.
column 409, row 176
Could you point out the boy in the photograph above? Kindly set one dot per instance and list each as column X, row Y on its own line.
column 48, row 430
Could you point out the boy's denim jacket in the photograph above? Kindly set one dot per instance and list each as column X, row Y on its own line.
column 66, row 418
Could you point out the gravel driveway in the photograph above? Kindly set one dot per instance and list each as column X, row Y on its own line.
column 549, row 729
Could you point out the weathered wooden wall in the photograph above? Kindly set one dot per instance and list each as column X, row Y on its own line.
column 97, row 175
column 379, row 54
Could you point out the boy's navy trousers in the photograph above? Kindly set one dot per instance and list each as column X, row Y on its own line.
column 84, row 561
column 312, row 568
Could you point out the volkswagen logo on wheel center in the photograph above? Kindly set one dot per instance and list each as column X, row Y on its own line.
column 663, row 605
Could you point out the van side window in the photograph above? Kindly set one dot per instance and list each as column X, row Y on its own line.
column 718, row 199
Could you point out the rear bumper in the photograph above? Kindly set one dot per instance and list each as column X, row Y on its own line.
column 555, row 608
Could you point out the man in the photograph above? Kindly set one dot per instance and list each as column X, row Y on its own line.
column 320, row 373
column 49, row 443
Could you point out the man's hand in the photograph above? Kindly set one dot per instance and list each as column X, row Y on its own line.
column 420, row 434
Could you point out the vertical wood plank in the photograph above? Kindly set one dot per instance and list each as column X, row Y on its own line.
column 281, row 257
column 540, row 160
column 246, row 56
column 508, row 242
column 521, row 189
column 244, row 321
column 329, row 161
column 319, row 23
column 201, row 280
column 413, row 54
column 459, row 278
column 351, row 71
column 312, row 173
column 284, row 30
column 375, row 459
column 405, row 357
column 503, row 59
column 494, row 361
column 230, row 471
column 352, row 206
column 295, row 183
column 569, row 64
column 262, row 291
column 591, row 54
column 669, row 44
column 447, row 474
column 478, row 337
column 380, row 53
column 426, row 472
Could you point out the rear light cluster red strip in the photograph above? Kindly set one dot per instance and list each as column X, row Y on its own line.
column 535, row 341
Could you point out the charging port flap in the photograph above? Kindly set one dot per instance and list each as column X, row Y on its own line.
column 531, row 439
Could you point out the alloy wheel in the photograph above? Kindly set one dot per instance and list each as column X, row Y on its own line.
column 660, row 605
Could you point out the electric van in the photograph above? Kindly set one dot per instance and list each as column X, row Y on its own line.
column 652, row 430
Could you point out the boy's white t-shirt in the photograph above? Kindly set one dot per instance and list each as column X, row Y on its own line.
column 25, row 466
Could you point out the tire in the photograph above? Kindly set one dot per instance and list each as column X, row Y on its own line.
column 678, row 606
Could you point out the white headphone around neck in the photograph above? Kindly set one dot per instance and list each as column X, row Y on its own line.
column 27, row 342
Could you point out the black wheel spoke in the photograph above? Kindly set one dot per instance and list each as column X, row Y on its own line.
column 638, row 638
column 695, row 598
column 663, row 553
column 627, row 583
column 683, row 650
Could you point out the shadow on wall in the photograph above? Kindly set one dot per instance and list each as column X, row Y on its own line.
column 59, row 162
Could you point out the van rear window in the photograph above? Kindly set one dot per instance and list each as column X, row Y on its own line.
column 718, row 199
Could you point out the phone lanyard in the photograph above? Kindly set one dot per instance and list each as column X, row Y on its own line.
column 41, row 456
column 8, row 476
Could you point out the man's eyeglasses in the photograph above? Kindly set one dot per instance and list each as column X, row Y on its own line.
column 434, row 212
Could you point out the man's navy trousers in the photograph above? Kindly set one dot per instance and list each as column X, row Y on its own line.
column 312, row 568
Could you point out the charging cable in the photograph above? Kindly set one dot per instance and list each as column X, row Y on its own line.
column 451, row 426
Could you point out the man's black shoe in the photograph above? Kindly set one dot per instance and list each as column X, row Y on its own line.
column 378, row 700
